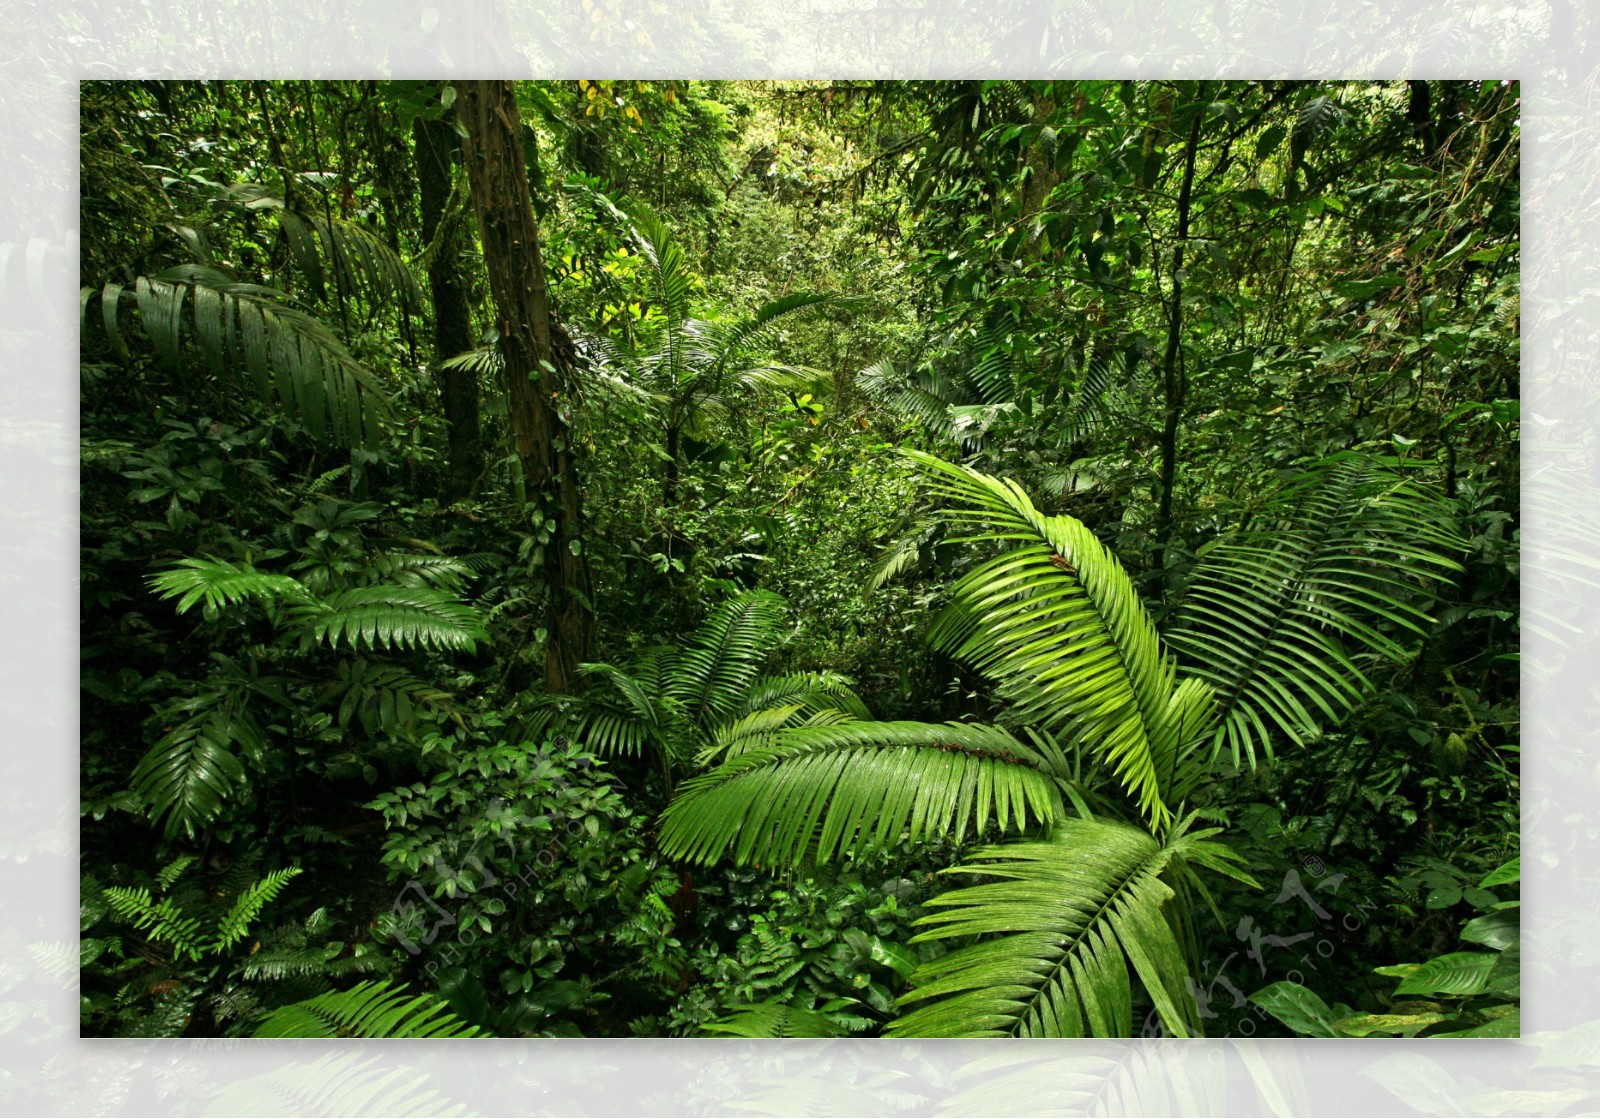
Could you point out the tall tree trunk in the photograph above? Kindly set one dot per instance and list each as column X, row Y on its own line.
column 537, row 376
column 1175, row 381
column 437, row 146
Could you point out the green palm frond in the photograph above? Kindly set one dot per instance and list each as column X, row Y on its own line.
column 376, row 1008
column 218, row 583
column 903, row 554
column 669, row 264
column 411, row 570
column 393, row 617
column 712, row 673
column 360, row 259
column 1338, row 570
column 926, row 398
column 820, row 790
column 1075, row 920
column 486, row 361
column 1055, row 620
column 251, row 334
column 726, row 338
column 813, row 692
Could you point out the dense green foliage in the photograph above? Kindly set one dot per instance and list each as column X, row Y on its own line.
column 1033, row 558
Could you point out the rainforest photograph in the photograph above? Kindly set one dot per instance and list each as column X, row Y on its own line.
column 799, row 558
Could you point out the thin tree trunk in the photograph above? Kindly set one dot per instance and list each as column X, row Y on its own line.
column 437, row 145
column 537, row 376
column 1174, row 380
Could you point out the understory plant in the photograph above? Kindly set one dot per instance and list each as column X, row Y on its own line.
column 1100, row 763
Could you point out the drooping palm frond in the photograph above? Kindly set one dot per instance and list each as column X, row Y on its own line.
column 811, row 692
column 726, row 338
column 759, row 729
column 360, row 260
column 329, row 251
column 376, row 1008
column 926, row 397
column 1337, row 570
column 254, row 336
column 818, row 791
column 1055, row 620
column 411, row 570
column 903, row 554
column 1075, row 915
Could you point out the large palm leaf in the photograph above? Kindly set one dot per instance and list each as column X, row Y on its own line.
column 820, row 791
column 1337, row 570
column 1056, row 622
column 1078, row 917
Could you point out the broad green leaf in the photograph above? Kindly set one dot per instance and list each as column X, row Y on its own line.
column 1297, row 1007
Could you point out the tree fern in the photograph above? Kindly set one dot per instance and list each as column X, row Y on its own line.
column 375, row 1008
column 1337, row 569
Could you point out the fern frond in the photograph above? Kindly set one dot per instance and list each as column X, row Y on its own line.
column 160, row 920
column 819, row 791
column 375, row 1008
column 1074, row 916
column 394, row 617
column 335, row 1084
column 1338, row 568
column 173, row 871
column 248, row 906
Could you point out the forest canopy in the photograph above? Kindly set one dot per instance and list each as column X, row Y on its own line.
column 799, row 558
